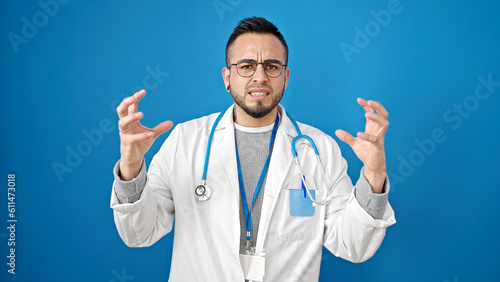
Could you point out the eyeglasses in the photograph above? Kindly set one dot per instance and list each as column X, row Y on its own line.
column 247, row 67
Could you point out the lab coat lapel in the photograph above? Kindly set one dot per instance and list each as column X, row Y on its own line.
column 224, row 149
column 281, row 160
column 224, row 146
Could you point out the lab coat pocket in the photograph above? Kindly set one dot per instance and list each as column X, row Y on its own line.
column 300, row 219
column 300, row 203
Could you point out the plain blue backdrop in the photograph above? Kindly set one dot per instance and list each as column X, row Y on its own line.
column 435, row 65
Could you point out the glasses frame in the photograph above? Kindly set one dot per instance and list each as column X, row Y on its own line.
column 272, row 61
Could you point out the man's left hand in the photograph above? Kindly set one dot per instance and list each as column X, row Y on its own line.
column 369, row 145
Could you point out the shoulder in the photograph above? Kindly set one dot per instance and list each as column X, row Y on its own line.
column 198, row 124
column 190, row 130
column 188, row 134
column 314, row 132
column 324, row 142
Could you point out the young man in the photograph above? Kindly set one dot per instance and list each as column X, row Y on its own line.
column 254, row 217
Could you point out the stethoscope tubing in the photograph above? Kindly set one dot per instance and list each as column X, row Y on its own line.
column 294, row 153
column 295, row 156
column 209, row 146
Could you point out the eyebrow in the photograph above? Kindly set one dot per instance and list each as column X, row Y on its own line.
column 265, row 61
column 274, row 61
column 246, row 60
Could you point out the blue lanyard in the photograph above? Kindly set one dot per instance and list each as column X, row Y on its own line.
column 248, row 213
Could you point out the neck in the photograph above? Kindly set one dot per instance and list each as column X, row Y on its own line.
column 243, row 119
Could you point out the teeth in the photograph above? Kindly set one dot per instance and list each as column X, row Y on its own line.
column 258, row 93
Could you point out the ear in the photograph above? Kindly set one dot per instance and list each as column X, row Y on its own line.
column 287, row 75
column 226, row 73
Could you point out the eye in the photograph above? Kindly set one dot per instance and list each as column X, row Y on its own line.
column 271, row 66
column 247, row 66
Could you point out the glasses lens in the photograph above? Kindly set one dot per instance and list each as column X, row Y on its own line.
column 246, row 67
column 272, row 68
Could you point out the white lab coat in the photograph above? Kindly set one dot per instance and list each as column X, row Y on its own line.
column 207, row 234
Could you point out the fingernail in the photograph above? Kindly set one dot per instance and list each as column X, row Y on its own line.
column 150, row 134
column 138, row 114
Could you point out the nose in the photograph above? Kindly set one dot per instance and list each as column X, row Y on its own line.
column 260, row 75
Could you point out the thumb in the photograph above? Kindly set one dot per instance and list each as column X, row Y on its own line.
column 345, row 137
column 163, row 127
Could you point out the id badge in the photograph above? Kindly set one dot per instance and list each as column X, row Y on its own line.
column 253, row 264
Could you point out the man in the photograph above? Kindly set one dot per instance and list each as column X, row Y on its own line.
column 257, row 220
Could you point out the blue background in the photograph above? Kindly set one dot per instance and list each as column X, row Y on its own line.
column 66, row 77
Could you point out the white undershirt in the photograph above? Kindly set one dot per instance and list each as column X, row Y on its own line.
column 253, row 129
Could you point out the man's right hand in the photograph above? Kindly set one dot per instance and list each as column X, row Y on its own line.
column 135, row 139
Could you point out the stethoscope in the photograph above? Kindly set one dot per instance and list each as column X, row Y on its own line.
column 203, row 192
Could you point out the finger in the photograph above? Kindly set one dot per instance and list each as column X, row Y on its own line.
column 377, row 118
column 137, row 96
column 363, row 103
column 125, row 122
column 345, row 137
column 122, row 109
column 368, row 137
column 133, row 138
column 379, row 108
column 162, row 128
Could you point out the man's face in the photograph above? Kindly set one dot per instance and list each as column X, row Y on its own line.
column 257, row 95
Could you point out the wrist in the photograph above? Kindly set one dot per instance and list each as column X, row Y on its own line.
column 129, row 170
column 376, row 179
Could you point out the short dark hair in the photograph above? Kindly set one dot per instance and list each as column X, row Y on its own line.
column 255, row 25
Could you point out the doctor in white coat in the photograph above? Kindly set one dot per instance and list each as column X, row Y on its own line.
column 349, row 221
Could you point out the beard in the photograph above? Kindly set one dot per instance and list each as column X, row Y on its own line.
column 259, row 110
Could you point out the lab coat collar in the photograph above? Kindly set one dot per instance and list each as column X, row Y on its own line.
column 286, row 125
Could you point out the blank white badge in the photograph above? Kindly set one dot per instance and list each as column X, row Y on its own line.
column 253, row 267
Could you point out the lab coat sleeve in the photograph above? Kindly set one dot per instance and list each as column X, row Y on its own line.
column 145, row 221
column 350, row 232
column 374, row 204
column 129, row 191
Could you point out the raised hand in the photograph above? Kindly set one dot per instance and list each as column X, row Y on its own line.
column 369, row 145
column 135, row 139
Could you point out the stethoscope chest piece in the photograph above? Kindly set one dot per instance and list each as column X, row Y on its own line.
column 202, row 193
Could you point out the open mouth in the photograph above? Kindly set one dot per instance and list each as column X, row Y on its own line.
column 260, row 92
